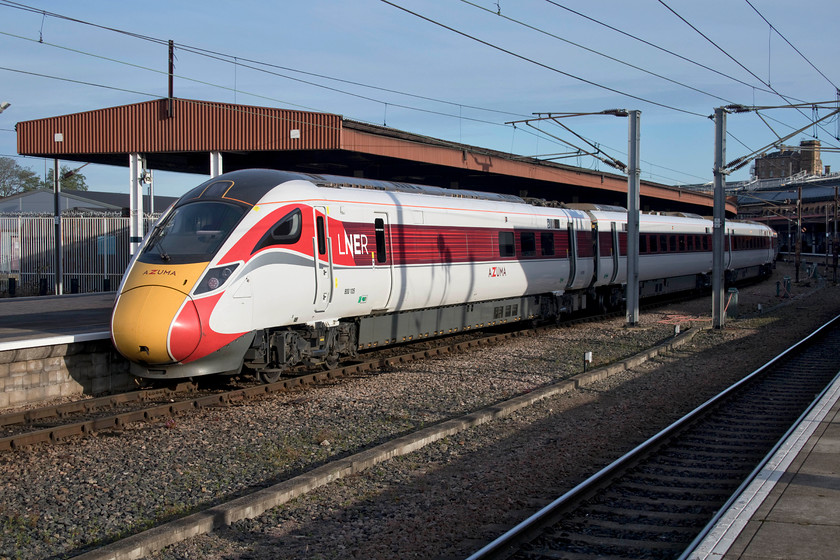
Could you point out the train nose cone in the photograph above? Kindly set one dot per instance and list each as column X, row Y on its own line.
column 185, row 333
column 155, row 325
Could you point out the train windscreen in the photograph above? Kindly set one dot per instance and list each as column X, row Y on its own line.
column 191, row 233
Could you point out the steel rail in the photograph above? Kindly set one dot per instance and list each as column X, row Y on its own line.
column 752, row 476
column 502, row 546
column 87, row 405
column 61, row 433
column 58, row 434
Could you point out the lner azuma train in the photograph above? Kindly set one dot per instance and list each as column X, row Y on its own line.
column 265, row 270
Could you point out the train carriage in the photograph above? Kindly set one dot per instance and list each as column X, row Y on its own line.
column 266, row 269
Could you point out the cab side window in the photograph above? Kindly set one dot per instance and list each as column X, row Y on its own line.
column 286, row 231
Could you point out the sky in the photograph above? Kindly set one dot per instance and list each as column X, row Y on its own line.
column 452, row 69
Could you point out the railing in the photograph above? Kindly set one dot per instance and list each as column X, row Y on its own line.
column 801, row 178
column 94, row 251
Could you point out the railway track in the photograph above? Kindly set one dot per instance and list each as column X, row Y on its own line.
column 58, row 423
column 654, row 501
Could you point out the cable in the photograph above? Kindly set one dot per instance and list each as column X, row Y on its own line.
column 236, row 60
column 718, row 47
column 730, row 56
column 364, row 97
column 428, row 111
column 634, row 37
column 226, row 58
column 655, row 46
column 549, row 67
column 540, row 64
column 593, row 51
column 26, row 8
column 78, row 82
column 222, row 57
column 779, row 33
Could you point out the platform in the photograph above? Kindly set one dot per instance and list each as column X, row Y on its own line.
column 35, row 320
column 791, row 510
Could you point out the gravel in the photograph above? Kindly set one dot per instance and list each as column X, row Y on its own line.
column 443, row 501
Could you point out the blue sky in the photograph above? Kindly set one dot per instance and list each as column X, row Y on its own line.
column 371, row 61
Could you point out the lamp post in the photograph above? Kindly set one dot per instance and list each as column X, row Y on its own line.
column 4, row 106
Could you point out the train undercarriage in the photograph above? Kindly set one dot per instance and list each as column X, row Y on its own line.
column 275, row 351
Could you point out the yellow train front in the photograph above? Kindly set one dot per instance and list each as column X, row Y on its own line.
column 161, row 319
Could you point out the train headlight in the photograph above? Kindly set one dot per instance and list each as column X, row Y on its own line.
column 215, row 278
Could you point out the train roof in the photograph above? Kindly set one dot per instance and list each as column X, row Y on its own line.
column 337, row 181
column 250, row 185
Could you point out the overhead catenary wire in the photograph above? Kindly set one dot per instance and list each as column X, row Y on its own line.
column 658, row 47
column 552, row 68
column 686, row 59
column 541, row 64
column 239, row 62
column 779, row 33
column 598, row 53
column 736, row 61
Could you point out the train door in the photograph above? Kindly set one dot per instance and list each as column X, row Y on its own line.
column 616, row 251
column 322, row 249
column 727, row 247
column 573, row 253
column 381, row 274
column 606, row 262
column 598, row 250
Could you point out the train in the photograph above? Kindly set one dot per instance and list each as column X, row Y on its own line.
column 262, row 271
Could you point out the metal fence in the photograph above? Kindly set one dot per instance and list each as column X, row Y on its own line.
column 94, row 252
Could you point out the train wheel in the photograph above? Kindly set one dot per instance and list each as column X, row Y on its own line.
column 270, row 375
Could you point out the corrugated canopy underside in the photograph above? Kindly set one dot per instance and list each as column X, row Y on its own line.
column 178, row 134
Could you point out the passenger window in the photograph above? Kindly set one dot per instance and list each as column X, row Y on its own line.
column 672, row 243
column 379, row 227
column 529, row 243
column 547, row 244
column 284, row 232
column 643, row 244
column 507, row 247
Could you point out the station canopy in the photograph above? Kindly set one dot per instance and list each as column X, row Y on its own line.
column 183, row 135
